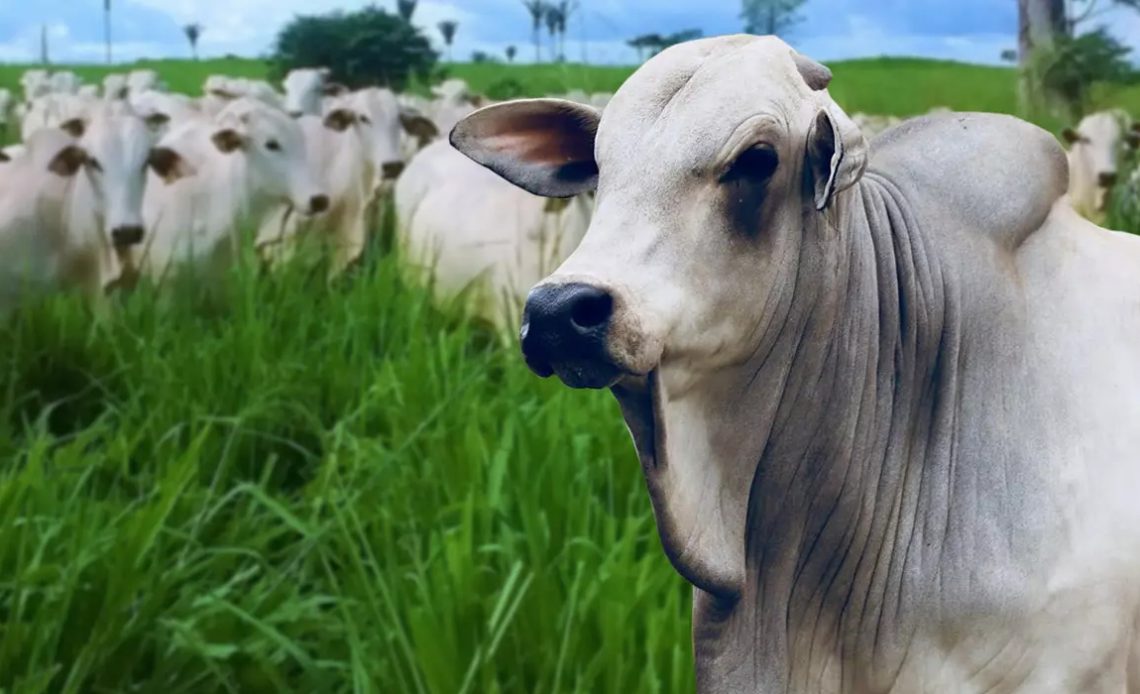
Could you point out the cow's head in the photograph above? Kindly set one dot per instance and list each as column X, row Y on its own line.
column 304, row 89
column 119, row 150
column 1094, row 149
column 384, row 122
column 716, row 165
column 703, row 180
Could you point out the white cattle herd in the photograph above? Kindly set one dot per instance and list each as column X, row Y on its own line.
column 313, row 159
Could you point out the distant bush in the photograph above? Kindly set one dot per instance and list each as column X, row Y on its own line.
column 506, row 89
column 1071, row 67
column 483, row 57
column 368, row 47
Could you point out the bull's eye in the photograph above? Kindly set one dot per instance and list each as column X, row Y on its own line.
column 94, row 164
column 365, row 119
column 757, row 164
column 273, row 146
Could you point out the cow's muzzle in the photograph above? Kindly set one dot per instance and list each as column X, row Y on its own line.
column 564, row 332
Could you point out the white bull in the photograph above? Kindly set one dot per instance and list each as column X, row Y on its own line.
column 1094, row 148
column 463, row 228
column 885, row 398
column 210, row 178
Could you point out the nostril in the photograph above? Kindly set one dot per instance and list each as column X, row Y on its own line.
column 393, row 169
column 1107, row 179
column 592, row 310
column 127, row 236
column 319, row 203
column 295, row 114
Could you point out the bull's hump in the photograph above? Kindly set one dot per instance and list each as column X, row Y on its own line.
column 995, row 174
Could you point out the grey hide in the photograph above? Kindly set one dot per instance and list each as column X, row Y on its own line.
column 893, row 443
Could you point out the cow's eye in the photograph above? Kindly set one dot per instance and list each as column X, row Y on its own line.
column 94, row 164
column 273, row 146
column 756, row 163
column 365, row 119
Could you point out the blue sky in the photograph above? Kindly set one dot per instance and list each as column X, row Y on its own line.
column 971, row 30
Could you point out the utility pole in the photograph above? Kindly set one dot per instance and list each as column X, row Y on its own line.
column 107, row 27
column 44, row 58
column 585, row 41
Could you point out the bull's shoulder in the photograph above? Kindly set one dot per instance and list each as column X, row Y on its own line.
column 996, row 174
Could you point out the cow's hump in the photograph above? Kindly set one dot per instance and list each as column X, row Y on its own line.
column 993, row 173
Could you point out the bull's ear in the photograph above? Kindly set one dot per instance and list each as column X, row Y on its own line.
column 69, row 160
column 4, row 156
column 418, row 126
column 836, row 155
column 168, row 164
column 1070, row 136
column 340, row 120
column 74, row 127
column 544, row 146
column 334, row 89
column 228, row 140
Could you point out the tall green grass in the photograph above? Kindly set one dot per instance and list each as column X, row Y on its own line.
column 278, row 485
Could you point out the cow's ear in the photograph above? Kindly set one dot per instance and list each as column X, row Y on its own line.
column 418, row 126
column 74, row 127
column 228, row 140
column 544, row 146
column 1070, row 136
column 4, row 156
column 836, row 155
column 69, row 160
column 334, row 89
column 168, row 164
column 340, row 120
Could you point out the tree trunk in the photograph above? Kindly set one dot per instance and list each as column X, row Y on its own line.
column 1039, row 24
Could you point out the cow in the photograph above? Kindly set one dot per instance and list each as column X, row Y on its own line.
column 304, row 91
column 387, row 125
column 1094, row 146
column 34, row 84
column 139, row 81
column 338, row 150
column 70, row 211
column 5, row 112
column 463, row 227
column 453, row 101
column 65, row 82
column 115, row 87
column 209, row 177
column 54, row 111
column 885, row 400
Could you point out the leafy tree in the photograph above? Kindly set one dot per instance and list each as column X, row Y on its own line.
column 193, row 33
column 770, row 16
column 655, row 43
column 362, row 48
column 406, row 8
column 483, row 57
column 1053, row 49
column 537, row 9
column 1071, row 66
column 447, row 29
column 511, row 53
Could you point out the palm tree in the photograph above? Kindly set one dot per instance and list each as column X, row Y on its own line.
column 447, row 29
column 511, row 53
column 537, row 9
column 565, row 9
column 193, row 33
column 107, row 27
column 406, row 8
column 553, row 21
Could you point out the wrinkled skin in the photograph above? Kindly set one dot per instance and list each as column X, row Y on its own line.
column 884, row 401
